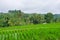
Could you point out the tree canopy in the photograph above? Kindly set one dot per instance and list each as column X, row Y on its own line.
column 18, row 18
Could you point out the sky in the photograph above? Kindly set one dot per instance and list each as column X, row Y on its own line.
column 31, row 6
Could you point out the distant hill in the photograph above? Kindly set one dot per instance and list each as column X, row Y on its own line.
column 57, row 16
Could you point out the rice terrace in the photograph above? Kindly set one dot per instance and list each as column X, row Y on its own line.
column 31, row 32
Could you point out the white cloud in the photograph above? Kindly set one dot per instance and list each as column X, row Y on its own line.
column 31, row 5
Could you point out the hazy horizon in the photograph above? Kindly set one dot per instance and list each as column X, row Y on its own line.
column 31, row 6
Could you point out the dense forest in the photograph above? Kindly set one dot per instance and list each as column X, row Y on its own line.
column 18, row 18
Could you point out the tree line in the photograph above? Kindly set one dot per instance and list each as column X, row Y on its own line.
column 18, row 18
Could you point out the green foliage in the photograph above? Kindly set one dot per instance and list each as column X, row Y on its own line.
column 18, row 18
column 31, row 32
column 49, row 17
column 36, row 18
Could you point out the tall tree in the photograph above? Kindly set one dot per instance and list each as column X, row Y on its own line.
column 49, row 17
column 35, row 19
column 6, row 22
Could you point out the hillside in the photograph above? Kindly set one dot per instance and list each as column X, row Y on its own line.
column 57, row 15
column 31, row 32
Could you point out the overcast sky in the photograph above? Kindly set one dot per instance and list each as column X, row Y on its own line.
column 31, row 6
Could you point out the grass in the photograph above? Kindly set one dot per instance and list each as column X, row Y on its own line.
column 31, row 32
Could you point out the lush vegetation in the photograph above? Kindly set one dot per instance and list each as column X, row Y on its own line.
column 18, row 18
column 31, row 32
column 17, row 25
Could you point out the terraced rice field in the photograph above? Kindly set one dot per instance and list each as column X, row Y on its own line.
column 31, row 32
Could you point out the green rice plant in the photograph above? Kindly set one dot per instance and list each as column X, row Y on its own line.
column 31, row 32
